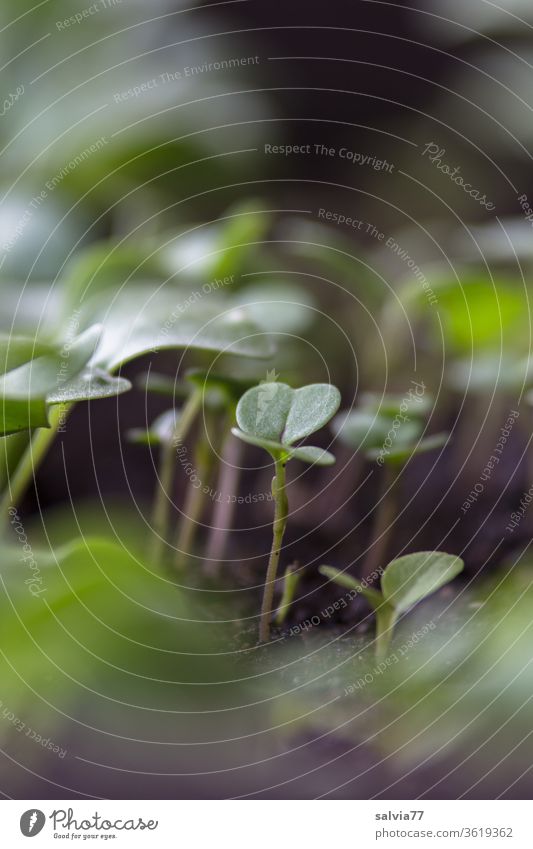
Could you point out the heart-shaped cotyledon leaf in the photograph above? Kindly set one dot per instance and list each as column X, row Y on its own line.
column 409, row 579
column 274, row 416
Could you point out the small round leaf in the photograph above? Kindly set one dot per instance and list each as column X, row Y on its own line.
column 409, row 579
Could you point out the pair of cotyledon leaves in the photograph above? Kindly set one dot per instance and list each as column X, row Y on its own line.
column 405, row 581
column 274, row 416
column 399, row 419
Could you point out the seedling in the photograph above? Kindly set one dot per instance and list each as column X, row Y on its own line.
column 217, row 396
column 389, row 431
column 40, row 380
column 291, row 579
column 404, row 582
column 226, row 391
column 273, row 416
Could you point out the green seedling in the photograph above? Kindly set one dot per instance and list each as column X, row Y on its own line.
column 41, row 379
column 388, row 429
column 217, row 396
column 168, row 432
column 227, row 390
column 291, row 579
column 39, row 383
column 404, row 582
column 273, row 416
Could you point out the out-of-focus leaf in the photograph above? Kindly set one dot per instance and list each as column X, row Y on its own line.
column 475, row 313
column 405, row 448
column 25, row 391
column 104, row 267
column 411, row 578
column 144, row 320
column 160, row 432
column 217, row 253
column 343, row 579
column 488, row 372
column 278, row 307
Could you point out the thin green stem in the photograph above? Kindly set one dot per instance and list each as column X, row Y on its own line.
column 167, row 466
column 227, row 485
column 386, row 617
column 11, row 451
column 281, row 513
column 383, row 523
column 204, row 461
column 293, row 573
column 30, row 461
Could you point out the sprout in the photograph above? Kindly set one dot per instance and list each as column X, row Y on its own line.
column 273, row 416
column 389, row 430
column 217, row 395
column 291, row 579
column 404, row 582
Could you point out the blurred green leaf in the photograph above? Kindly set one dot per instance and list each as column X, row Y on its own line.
column 27, row 390
column 160, row 432
column 278, row 307
column 143, row 320
column 411, row 578
column 374, row 598
column 216, row 254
